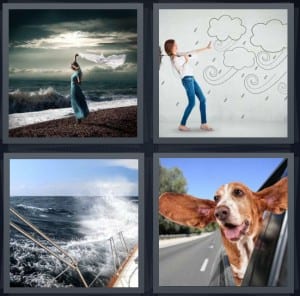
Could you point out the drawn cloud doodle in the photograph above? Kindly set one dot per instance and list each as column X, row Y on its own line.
column 226, row 27
column 239, row 58
column 270, row 36
column 234, row 60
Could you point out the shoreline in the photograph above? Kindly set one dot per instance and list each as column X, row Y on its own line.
column 107, row 122
column 17, row 120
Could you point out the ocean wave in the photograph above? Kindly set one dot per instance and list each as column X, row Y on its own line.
column 49, row 98
column 107, row 210
column 30, row 266
column 31, row 207
column 45, row 210
column 85, row 237
column 107, row 97
column 28, row 101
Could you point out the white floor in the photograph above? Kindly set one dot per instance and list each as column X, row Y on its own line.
column 238, row 129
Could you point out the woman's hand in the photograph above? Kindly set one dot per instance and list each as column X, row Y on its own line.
column 186, row 57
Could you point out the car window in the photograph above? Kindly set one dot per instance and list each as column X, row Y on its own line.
column 268, row 261
column 222, row 274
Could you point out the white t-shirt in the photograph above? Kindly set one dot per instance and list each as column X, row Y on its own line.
column 182, row 67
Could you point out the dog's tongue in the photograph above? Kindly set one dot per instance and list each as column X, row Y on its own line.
column 233, row 233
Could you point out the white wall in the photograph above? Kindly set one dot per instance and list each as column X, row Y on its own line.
column 244, row 75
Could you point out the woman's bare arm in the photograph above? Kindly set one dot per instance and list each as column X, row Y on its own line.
column 195, row 51
column 203, row 48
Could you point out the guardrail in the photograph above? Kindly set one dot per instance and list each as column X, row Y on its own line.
column 169, row 236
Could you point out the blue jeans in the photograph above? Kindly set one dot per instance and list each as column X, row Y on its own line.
column 193, row 89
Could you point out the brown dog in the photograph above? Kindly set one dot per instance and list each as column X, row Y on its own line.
column 238, row 211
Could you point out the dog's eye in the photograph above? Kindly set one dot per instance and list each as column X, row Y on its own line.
column 238, row 192
column 217, row 198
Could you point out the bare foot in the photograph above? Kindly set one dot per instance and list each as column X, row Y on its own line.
column 206, row 127
column 183, row 128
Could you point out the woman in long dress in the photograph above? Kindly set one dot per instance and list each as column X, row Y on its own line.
column 78, row 100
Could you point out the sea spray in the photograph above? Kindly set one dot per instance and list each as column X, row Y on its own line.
column 42, row 99
column 82, row 227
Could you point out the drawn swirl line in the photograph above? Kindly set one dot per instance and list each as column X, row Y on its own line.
column 210, row 75
column 251, row 83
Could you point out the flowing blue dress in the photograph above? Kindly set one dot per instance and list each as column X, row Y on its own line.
column 78, row 101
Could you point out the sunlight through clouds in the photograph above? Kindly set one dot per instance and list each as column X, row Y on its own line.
column 77, row 39
column 46, row 45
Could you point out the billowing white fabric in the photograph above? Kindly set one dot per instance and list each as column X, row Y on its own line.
column 113, row 61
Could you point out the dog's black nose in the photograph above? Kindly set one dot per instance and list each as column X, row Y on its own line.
column 222, row 213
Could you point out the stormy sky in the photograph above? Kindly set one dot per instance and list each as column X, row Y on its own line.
column 42, row 43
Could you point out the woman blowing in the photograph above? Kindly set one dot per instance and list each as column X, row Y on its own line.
column 183, row 67
column 78, row 100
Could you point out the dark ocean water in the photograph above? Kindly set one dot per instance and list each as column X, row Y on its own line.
column 37, row 95
column 82, row 227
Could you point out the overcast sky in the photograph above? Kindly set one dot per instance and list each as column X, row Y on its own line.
column 43, row 42
column 73, row 177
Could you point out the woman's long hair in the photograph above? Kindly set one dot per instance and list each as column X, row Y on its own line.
column 168, row 49
column 169, row 44
column 75, row 65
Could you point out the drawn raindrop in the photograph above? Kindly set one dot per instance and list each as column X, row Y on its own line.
column 285, row 98
column 197, row 63
column 244, row 42
column 177, row 104
column 243, row 116
column 243, row 75
column 195, row 30
column 225, row 100
column 163, row 82
column 267, row 98
column 196, row 42
column 266, row 76
column 213, row 60
column 274, row 57
column 256, row 68
column 220, row 71
column 242, row 95
column 209, row 92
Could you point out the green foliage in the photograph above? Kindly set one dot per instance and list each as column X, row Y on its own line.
column 173, row 180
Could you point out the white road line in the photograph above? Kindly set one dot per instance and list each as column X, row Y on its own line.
column 204, row 264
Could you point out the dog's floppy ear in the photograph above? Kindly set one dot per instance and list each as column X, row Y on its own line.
column 186, row 210
column 275, row 197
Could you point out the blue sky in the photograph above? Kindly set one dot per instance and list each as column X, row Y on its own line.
column 76, row 177
column 205, row 175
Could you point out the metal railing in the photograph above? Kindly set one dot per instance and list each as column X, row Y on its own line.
column 60, row 254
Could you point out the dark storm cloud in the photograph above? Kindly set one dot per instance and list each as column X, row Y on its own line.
column 44, row 42
column 31, row 24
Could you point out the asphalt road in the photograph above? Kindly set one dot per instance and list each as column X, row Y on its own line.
column 191, row 263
